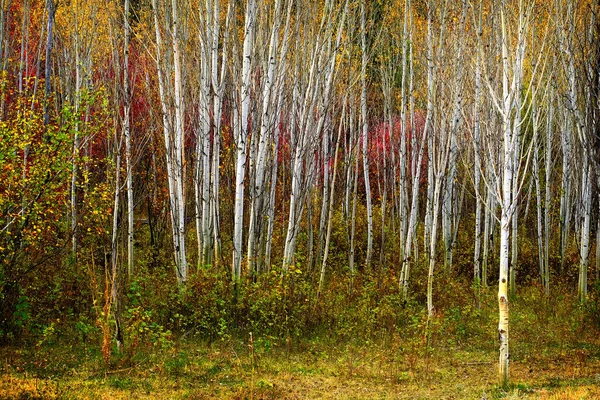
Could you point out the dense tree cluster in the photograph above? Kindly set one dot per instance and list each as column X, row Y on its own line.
column 265, row 135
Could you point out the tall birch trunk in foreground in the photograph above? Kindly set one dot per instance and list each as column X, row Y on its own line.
column 507, row 105
column 506, row 203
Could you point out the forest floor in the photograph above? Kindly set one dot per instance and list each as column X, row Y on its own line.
column 315, row 369
column 554, row 353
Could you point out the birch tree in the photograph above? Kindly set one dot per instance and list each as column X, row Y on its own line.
column 416, row 175
column 365, row 132
column 315, row 95
column 512, row 38
column 241, row 136
column 214, row 51
column 172, row 118
column 127, row 134
column 476, row 152
column 271, row 92
column 513, row 42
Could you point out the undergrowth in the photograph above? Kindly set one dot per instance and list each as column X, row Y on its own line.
column 274, row 330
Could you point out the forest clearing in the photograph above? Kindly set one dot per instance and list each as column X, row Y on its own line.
column 300, row 199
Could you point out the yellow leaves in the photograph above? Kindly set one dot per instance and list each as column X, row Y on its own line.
column 88, row 24
column 296, row 270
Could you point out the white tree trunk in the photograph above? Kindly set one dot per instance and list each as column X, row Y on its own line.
column 586, row 207
column 365, row 136
column 173, row 134
column 477, row 171
column 330, row 213
column 548, row 193
column 565, row 193
column 127, row 133
column 178, row 159
column 241, row 139
column 269, row 103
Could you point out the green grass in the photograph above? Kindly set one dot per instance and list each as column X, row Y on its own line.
column 365, row 346
column 325, row 368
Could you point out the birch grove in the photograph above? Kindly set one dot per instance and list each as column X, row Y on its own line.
column 426, row 143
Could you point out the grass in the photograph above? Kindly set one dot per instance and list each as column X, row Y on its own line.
column 315, row 369
column 365, row 350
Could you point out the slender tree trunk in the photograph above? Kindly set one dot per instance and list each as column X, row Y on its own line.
column 477, row 171
column 433, row 243
column 242, row 137
column 114, row 255
column 76, row 147
column 51, row 7
column 565, row 194
column 548, row 193
column 586, row 206
column 178, row 149
column 127, row 134
column 412, row 221
column 331, row 196
column 538, row 197
column 173, row 134
column 365, row 136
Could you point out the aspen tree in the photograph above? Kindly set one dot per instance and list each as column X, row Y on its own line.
column 352, row 188
column 403, row 191
column 178, row 145
column 516, row 136
column 127, row 134
column 365, row 133
column 449, row 185
column 271, row 89
column 538, row 196
column 316, row 95
column 565, row 192
column 173, row 135
column 476, row 152
column 443, row 146
column 388, row 72
column 580, row 107
column 586, row 207
column 416, row 175
column 115, row 276
column 548, row 193
column 507, row 201
column 508, row 106
column 331, row 198
column 210, row 109
column 542, row 215
column 203, row 143
column 275, row 163
column 218, row 84
column 81, row 58
column 403, row 197
column 242, row 132
column 51, row 8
